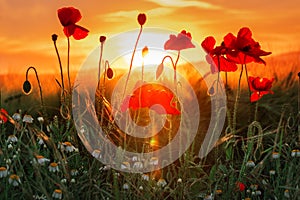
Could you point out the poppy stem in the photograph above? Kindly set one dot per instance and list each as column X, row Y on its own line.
column 299, row 106
column 143, row 70
column 219, row 69
column 104, row 75
column 68, row 66
column 247, row 80
column 256, row 110
column 299, row 96
column 175, row 70
column 173, row 65
column 226, row 80
column 237, row 102
column 61, row 71
column 39, row 83
column 132, row 57
column 99, row 65
column 102, row 90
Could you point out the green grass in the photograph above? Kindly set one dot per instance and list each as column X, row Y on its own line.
column 81, row 176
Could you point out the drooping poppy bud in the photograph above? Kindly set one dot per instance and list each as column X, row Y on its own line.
column 141, row 19
column 26, row 87
column 102, row 38
column 109, row 73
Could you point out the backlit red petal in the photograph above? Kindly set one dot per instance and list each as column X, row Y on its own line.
column 3, row 114
column 179, row 42
column 153, row 97
column 68, row 15
column 255, row 97
column 230, row 41
column 80, row 32
column 208, row 44
column 244, row 33
column 69, row 30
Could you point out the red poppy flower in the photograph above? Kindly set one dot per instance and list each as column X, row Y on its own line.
column 141, row 19
column 241, row 186
column 182, row 41
column 244, row 48
column 68, row 17
column 259, row 87
column 3, row 114
column 152, row 96
column 216, row 56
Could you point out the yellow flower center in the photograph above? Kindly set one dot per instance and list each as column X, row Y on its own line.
column 58, row 191
column 39, row 157
column 54, row 164
column 2, row 169
column 14, row 177
column 67, row 143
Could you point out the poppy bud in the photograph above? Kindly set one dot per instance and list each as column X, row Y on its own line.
column 145, row 51
column 141, row 19
column 109, row 73
column 102, row 38
column 54, row 37
column 26, row 87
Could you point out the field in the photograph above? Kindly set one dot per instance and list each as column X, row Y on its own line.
column 261, row 161
column 60, row 140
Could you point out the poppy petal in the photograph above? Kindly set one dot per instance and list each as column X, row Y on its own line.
column 208, row 44
column 68, row 15
column 69, row 30
column 80, row 32
column 125, row 104
column 3, row 114
column 153, row 97
column 250, row 80
column 230, row 41
column 245, row 33
column 179, row 42
column 255, row 96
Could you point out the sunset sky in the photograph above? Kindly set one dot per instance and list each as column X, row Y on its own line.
column 27, row 26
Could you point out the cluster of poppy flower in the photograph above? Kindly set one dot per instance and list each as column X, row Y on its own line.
column 164, row 97
column 240, row 49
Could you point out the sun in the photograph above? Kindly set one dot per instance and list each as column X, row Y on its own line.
column 120, row 48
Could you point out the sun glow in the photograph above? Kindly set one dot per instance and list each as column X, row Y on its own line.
column 119, row 48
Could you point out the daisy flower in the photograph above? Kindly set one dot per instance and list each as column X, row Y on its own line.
column 57, row 194
column 14, row 180
column 161, row 182
column 68, row 147
column 3, row 172
column 41, row 159
column 53, row 167
column 28, row 119
column 12, row 139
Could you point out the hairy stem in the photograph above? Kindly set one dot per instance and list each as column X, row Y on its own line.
column 61, row 72
column 39, row 83
column 99, row 65
column 132, row 57
column 68, row 66
column 237, row 101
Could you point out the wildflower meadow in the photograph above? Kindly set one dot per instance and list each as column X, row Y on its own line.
column 200, row 123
